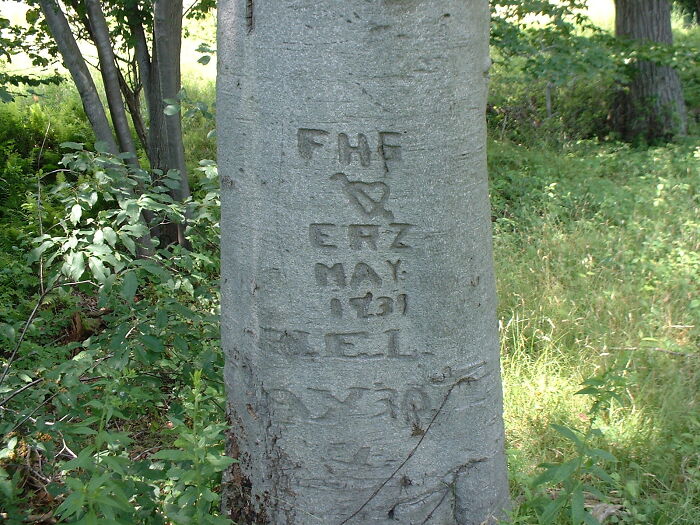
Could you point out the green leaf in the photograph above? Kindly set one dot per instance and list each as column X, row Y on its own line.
column 172, row 455
column 128, row 243
column 171, row 109
column 577, row 508
column 74, row 266
column 99, row 249
column 109, row 235
column 219, row 462
column 90, row 198
column 72, row 145
column 204, row 60
column 551, row 510
column 11, row 444
column 558, row 473
column 98, row 269
column 604, row 454
column 152, row 343
column 87, row 431
column 37, row 252
column 601, row 474
column 32, row 16
column 568, row 434
column 129, row 285
column 71, row 505
column 84, row 460
column 8, row 332
column 75, row 213
column 589, row 519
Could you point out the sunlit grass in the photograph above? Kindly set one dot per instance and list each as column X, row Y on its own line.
column 600, row 272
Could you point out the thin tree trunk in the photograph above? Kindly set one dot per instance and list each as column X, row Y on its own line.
column 110, row 77
column 358, row 294
column 133, row 104
column 167, row 39
column 651, row 106
column 74, row 62
column 147, row 68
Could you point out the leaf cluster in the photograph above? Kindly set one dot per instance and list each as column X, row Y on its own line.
column 111, row 397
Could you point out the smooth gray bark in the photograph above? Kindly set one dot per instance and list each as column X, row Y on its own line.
column 145, row 65
column 167, row 40
column 358, row 296
column 74, row 62
column 110, row 77
column 652, row 105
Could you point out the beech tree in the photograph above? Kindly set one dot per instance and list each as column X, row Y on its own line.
column 138, row 48
column 651, row 106
column 358, row 294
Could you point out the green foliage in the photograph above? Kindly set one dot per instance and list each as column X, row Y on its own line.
column 12, row 43
column 595, row 247
column 584, row 473
column 118, row 415
column 555, row 73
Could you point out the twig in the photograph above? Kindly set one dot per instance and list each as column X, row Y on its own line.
column 144, row 452
column 39, row 206
column 20, row 390
column 69, row 452
column 38, row 304
column 29, row 416
column 447, row 490
column 413, row 451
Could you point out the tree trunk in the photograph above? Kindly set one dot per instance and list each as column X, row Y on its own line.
column 651, row 106
column 167, row 39
column 358, row 295
column 110, row 77
column 74, row 62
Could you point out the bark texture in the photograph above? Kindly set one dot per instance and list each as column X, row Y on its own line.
column 75, row 64
column 167, row 41
column 651, row 106
column 110, row 77
column 358, row 313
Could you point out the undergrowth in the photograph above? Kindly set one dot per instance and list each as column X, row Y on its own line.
column 596, row 251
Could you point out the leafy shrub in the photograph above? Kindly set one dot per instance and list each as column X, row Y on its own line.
column 116, row 416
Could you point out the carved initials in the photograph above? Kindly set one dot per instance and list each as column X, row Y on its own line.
column 339, row 407
column 403, row 229
column 363, row 234
column 346, row 151
column 306, row 141
column 319, row 235
column 369, row 197
column 336, row 272
column 286, row 342
column 364, row 272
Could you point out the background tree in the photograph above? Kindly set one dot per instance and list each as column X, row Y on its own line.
column 691, row 8
column 651, row 105
column 138, row 53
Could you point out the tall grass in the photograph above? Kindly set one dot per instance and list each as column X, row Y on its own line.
column 598, row 266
